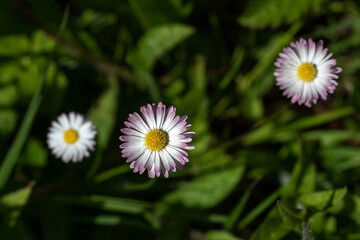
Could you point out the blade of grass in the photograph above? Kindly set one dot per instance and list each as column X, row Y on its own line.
column 317, row 120
column 259, row 209
column 234, row 215
column 12, row 155
column 106, row 203
column 111, row 173
column 238, row 58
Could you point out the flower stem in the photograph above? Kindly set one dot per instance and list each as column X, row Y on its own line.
column 306, row 233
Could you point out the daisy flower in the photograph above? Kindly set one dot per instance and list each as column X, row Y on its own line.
column 156, row 140
column 305, row 72
column 71, row 137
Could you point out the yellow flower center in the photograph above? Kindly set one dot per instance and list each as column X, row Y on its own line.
column 71, row 136
column 156, row 139
column 306, row 72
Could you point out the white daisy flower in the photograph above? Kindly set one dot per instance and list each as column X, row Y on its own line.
column 305, row 72
column 71, row 137
column 156, row 140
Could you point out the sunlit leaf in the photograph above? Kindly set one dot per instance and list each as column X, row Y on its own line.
column 108, row 203
column 14, row 45
column 8, row 95
column 12, row 202
column 17, row 198
column 322, row 200
column 207, row 191
column 41, row 42
column 156, row 42
column 220, row 234
column 35, row 154
column 8, row 120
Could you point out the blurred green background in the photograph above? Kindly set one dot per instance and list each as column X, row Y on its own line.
column 262, row 168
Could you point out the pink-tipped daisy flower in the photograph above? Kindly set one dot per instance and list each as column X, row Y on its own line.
column 156, row 140
column 305, row 71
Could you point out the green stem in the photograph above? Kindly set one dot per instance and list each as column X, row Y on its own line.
column 306, row 233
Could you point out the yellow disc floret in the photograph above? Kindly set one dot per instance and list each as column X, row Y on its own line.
column 70, row 136
column 306, row 72
column 156, row 139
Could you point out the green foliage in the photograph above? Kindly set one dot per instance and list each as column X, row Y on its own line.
column 272, row 228
column 263, row 13
column 8, row 95
column 149, row 13
column 293, row 218
column 12, row 202
column 219, row 234
column 8, row 119
column 9, row 49
column 322, row 200
column 207, row 191
column 34, row 154
column 152, row 45
column 156, row 42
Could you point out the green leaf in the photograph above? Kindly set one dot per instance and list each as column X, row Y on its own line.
column 29, row 80
column 260, row 208
column 263, row 13
column 316, row 120
column 153, row 45
column 112, row 172
column 35, row 154
column 17, row 198
column 220, row 234
column 9, row 72
column 197, row 74
column 13, row 201
column 156, row 42
column 272, row 228
column 323, row 200
column 103, row 113
column 207, row 191
column 237, row 60
column 292, row 217
column 8, row 95
column 8, row 119
column 150, row 13
column 102, row 220
column 41, row 42
column 355, row 208
column 14, row 45
column 236, row 212
column 108, row 203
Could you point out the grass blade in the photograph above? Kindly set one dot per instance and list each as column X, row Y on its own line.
column 12, row 155
column 234, row 215
column 259, row 209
